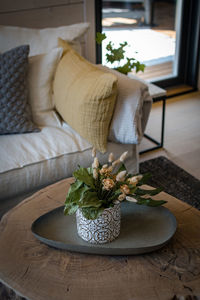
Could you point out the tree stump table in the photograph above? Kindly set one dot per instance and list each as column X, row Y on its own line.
column 31, row 269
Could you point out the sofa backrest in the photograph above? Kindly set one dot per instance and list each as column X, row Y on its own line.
column 51, row 14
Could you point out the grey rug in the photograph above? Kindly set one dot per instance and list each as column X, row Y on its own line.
column 173, row 179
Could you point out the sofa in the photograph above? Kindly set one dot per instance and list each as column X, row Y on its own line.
column 61, row 119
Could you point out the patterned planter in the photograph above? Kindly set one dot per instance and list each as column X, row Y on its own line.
column 102, row 230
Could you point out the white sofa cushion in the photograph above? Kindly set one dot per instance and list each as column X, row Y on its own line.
column 40, row 75
column 31, row 161
column 40, row 40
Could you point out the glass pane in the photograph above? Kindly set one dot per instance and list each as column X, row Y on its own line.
column 150, row 28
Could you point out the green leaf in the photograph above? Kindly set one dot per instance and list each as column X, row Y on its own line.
column 100, row 37
column 70, row 208
column 149, row 201
column 90, row 199
column 144, row 179
column 115, row 54
column 153, row 192
column 83, row 175
column 75, row 191
column 92, row 213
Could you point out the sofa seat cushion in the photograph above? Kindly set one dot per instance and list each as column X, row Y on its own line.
column 30, row 162
column 22, row 150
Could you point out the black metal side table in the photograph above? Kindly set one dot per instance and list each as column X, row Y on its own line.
column 157, row 94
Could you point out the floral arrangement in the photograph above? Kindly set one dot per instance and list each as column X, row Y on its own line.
column 117, row 56
column 99, row 187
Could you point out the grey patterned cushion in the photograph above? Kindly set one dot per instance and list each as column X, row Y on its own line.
column 15, row 114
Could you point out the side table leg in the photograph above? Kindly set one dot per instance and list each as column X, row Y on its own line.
column 161, row 143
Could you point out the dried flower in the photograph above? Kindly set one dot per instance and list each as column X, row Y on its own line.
column 93, row 152
column 95, row 163
column 123, row 156
column 115, row 163
column 105, row 166
column 95, row 174
column 133, row 180
column 125, row 189
column 131, row 199
column 121, row 197
column 111, row 157
column 104, row 186
column 110, row 169
column 104, row 171
column 139, row 177
column 121, row 176
column 108, row 184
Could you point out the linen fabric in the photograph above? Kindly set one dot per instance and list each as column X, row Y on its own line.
column 40, row 40
column 15, row 116
column 132, row 109
column 40, row 77
column 27, row 160
column 85, row 97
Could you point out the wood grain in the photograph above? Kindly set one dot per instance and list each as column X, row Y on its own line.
column 37, row 271
column 52, row 13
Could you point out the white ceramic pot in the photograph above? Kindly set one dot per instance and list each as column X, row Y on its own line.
column 102, row 230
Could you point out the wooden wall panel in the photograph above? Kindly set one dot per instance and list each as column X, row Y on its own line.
column 52, row 13
column 10, row 5
column 44, row 17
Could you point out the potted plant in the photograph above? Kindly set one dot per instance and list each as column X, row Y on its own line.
column 117, row 56
column 96, row 194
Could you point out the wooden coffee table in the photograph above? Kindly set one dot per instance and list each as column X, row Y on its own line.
column 36, row 271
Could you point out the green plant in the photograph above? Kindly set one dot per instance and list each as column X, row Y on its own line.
column 118, row 54
column 98, row 187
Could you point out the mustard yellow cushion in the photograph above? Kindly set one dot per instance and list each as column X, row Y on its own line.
column 84, row 96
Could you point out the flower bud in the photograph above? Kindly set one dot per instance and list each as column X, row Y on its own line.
column 123, row 156
column 133, row 180
column 95, row 163
column 105, row 166
column 115, row 163
column 121, row 197
column 93, row 152
column 121, row 176
column 125, row 189
column 95, row 174
column 111, row 157
column 130, row 199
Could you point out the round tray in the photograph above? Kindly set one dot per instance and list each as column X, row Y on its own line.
column 143, row 229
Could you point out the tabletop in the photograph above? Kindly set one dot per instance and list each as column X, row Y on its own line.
column 36, row 271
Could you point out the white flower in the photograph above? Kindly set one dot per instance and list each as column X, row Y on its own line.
column 110, row 169
column 111, row 157
column 139, row 177
column 105, row 166
column 131, row 199
column 121, row 197
column 95, row 163
column 115, row 163
column 123, row 156
column 93, row 152
column 121, row 176
column 133, row 180
column 95, row 174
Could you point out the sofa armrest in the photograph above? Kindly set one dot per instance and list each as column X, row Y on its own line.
column 132, row 110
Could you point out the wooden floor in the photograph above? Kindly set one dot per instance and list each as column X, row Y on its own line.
column 155, row 71
column 182, row 132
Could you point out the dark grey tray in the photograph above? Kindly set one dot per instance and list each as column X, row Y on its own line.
column 143, row 229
